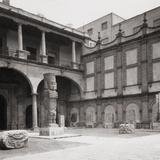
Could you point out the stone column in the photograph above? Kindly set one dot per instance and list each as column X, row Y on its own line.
column 21, row 53
column 43, row 55
column 34, row 111
column 20, row 37
column 74, row 64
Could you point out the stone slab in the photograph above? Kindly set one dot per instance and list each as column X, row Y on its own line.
column 36, row 135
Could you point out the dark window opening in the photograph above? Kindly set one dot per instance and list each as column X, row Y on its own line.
column 33, row 53
column 90, row 31
column 104, row 26
column 51, row 60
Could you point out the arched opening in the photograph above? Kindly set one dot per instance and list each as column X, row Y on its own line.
column 16, row 88
column 68, row 92
column 3, row 113
column 132, row 114
column 90, row 117
column 29, row 117
column 109, row 117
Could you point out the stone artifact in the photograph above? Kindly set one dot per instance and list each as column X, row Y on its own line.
column 50, row 104
column 126, row 128
column 13, row 139
column 50, row 96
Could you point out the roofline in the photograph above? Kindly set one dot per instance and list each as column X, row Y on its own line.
column 42, row 19
column 137, row 15
column 112, row 13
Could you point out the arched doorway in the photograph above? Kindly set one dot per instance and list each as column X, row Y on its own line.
column 16, row 88
column 29, row 117
column 3, row 113
column 29, row 120
column 132, row 113
column 90, row 117
column 109, row 117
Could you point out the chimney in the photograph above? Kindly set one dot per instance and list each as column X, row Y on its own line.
column 6, row 2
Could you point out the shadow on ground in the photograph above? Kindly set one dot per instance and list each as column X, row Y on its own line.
column 39, row 146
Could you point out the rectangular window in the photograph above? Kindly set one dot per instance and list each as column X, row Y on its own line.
column 109, row 80
column 131, row 57
column 90, row 84
column 109, row 62
column 104, row 26
column 90, row 31
column 90, row 67
column 132, row 76
column 156, row 50
column 136, row 29
column 156, row 71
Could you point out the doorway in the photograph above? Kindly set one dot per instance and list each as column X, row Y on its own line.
column 3, row 113
column 29, row 117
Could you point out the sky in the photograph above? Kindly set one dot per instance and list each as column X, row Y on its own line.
column 80, row 12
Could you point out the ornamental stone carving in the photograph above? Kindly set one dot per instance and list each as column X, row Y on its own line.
column 50, row 97
column 13, row 139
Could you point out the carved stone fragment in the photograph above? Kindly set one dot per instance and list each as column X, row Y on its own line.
column 126, row 128
column 13, row 139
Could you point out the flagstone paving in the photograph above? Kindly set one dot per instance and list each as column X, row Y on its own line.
column 94, row 145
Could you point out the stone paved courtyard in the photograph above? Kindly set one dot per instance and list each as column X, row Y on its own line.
column 94, row 144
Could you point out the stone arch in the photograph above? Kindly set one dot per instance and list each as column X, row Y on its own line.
column 132, row 113
column 21, row 73
column 74, row 116
column 40, row 80
column 109, row 114
column 90, row 116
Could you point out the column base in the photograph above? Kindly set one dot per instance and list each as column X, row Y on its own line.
column 44, row 58
column 52, row 130
column 22, row 54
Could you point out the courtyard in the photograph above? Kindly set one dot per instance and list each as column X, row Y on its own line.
column 92, row 144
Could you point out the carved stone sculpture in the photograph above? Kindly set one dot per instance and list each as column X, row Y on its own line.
column 126, row 128
column 50, row 97
column 13, row 139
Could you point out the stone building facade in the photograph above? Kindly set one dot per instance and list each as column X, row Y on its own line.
column 99, row 86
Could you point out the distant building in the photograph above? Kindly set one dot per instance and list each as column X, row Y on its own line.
column 111, row 82
column 103, row 25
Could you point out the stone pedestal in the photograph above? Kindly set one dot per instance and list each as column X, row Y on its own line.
column 44, row 59
column 22, row 54
column 52, row 130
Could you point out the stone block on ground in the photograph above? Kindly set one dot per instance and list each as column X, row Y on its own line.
column 13, row 139
column 126, row 128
